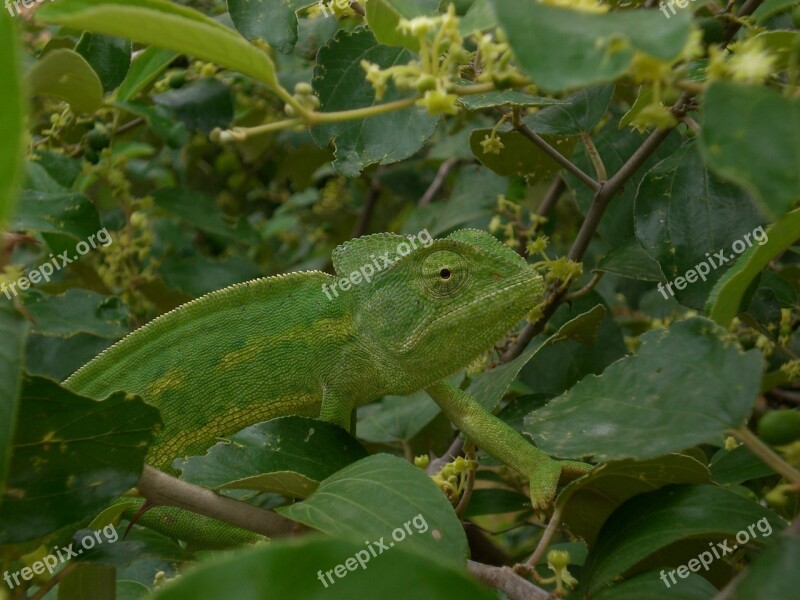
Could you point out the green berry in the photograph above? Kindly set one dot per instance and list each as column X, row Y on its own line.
column 177, row 80
column 426, row 82
column 780, row 427
column 97, row 139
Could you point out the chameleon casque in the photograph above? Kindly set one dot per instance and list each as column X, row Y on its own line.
column 279, row 346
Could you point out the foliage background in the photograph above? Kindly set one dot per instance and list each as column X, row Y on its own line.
column 168, row 125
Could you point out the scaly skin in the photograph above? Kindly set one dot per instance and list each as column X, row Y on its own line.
column 280, row 346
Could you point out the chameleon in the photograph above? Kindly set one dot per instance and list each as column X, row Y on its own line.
column 284, row 345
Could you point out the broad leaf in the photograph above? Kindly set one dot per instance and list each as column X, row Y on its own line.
column 78, row 311
column 72, row 458
column 11, row 120
column 314, row 568
column 659, row 400
column 376, row 497
column 144, row 70
column 66, row 75
column 340, row 82
column 684, row 216
column 70, row 214
column 272, row 21
column 773, row 574
column 734, row 121
column 652, row 521
column 579, row 113
column 110, row 57
column 289, row 455
column 650, row 585
column 13, row 328
column 166, row 25
column 519, row 155
column 384, row 17
column 561, row 48
column 726, row 297
column 399, row 418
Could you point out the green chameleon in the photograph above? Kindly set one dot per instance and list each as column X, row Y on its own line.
column 400, row 317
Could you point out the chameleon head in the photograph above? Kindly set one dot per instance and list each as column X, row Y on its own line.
column 443, row 305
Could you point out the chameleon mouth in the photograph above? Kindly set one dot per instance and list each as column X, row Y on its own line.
column 426, row 327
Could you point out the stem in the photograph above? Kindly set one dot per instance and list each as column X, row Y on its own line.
column 544, row 542
column 591, row 150
column 365, row 215
column 317, row 118
column 551, row 197
column 438, row 181
column 358, row 8
column 585, row 289
column 292, row 101
column 165, row 490
column 505, row 580
column 557, row 156
column 766, row 454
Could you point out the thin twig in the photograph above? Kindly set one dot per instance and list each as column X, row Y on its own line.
column 358, row 8
column 585, row 289
column 766, row 454
column 165, row 490
column 544, row 541
column 555, row 191
column 556, row 156
column 370, row 201
column 454, row 450
column 438, row 181
column 594, row 156
column 467, row 495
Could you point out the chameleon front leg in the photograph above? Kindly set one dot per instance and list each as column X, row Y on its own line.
column 337, row 409
column 504, row 442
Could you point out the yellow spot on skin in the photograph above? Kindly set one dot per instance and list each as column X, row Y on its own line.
column 243, row 355
column 169, row 381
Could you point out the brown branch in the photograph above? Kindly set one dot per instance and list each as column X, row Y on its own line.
column 594, row 156
column 508, row 582
column 438, row 181
column 557, row 188
column 358, row 8
column 556, row 155
column 165, row 490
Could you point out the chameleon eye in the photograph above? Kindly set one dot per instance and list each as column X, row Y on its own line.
column 443, row 273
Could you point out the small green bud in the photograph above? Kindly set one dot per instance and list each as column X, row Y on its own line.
column 426, row 82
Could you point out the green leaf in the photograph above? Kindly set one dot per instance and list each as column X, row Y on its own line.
column 587, row 502
column 66, row 74
column 737, row 465
column 145, row 69
column 289, row 455
column 13, row 329
column 12, row 119
column 384, row 16
column 558, row 367
column 201, row 105
column 683, row 216
column 773, row 574
column 78, row 311
column 519, row 155
column 726, row 297
column 67, row 213
column 479, row 17
column 199, row 275
column 341, row 85
column 616, row 146
column 298, row 570
column 650, row 585
column 561, row 49
column 652, row 521
column 490, row 387
column 195, row 208
column 161, row 119
column 72, row 457
column 629, row 259
column 272, row 21
column 660, row 400
column 513, row 98
column 374, row 497
column 166, row 25
column 399, row 418
column 110, row 57
column 580, row 113
column 88, row 581
column 734, row 121
column 496, row 501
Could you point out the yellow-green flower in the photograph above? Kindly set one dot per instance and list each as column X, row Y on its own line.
column 439, row 103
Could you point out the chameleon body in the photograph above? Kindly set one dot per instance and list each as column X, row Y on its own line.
column 286, row 346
